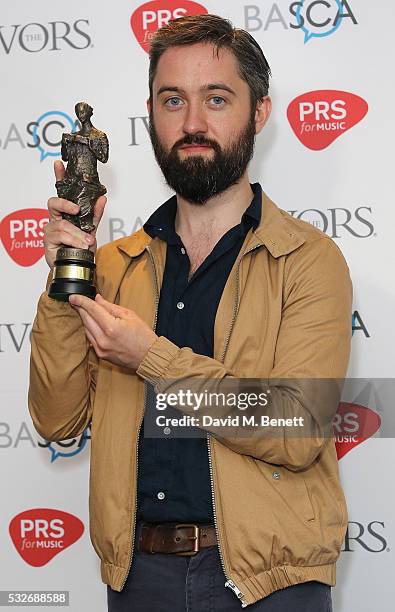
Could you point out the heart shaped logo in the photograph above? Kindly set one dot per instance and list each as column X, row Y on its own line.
column 353, row 425
column 21, row 233
column 319, row 117
column 41, row 533
column 151, row 16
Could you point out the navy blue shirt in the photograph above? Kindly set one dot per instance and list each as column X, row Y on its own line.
column 173, row 473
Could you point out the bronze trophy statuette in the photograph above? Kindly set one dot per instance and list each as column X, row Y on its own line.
column 74, row 268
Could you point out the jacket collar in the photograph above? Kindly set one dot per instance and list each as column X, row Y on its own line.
column 276, row 231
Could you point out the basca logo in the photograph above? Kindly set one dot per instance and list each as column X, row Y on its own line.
column 67, row 448
column 51, row 124
column 13, row 437
column 315, row 18
column 368, row 536
column 44, row 134
column 319, row 117
column 22, row 233
column 352, row 425
column 339, row 222
column 151, row 16
column 41, row 533
column 52, row 36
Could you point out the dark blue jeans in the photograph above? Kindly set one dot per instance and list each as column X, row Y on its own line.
column 170, row 583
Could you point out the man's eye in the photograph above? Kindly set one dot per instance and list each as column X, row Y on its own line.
column 173, row 102
column 217, row 100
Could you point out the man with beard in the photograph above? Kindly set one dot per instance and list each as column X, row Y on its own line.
column 219, row 286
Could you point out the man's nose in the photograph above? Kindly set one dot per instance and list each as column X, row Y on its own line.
column 195, row 120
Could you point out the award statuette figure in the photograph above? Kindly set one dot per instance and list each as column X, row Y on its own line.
column 74, row 268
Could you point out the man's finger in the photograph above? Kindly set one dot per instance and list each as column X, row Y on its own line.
column 59, row 170
column 79, row 300
column 91, row 340
column 96, row 312
column 58, row 205
column 90, row 324
column 66, row 233
column 112, row 309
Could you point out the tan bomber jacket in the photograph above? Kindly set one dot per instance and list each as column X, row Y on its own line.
column 285, row 313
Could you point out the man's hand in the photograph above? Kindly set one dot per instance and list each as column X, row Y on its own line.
column 116, row 334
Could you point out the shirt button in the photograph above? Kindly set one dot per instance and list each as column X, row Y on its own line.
column 183, row 250
column 161, row 495
column 276, row 475
column 180, row 305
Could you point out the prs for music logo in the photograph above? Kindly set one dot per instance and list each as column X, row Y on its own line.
column 39, row 534
column 21, row 233
column 151, row 16
column 353, row 424
column 319, row 117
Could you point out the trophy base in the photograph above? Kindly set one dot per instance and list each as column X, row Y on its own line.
column 73, row 273
column 61, row 290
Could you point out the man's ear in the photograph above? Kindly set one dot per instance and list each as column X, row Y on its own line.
column 262, row 112
column 148, row 105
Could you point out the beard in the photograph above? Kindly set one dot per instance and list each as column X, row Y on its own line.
column 196, row 178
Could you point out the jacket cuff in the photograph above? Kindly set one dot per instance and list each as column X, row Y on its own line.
column 157, row 359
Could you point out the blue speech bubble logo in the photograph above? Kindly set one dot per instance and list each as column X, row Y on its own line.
column 308, row 34
column 71, row 451
column 44, row 121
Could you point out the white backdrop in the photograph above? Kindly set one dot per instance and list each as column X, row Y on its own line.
column 53, row 54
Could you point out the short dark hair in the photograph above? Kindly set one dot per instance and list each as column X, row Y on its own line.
column 215, row 30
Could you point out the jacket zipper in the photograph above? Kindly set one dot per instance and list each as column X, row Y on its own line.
column 133, row 532
column 229, row 583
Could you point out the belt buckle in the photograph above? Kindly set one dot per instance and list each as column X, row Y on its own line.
column 195, row 538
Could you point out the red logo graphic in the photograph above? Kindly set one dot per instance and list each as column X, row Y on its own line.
column 22, row 234
column 41, row 533
column 152, row 16
column 319, row 117
column 353, row 424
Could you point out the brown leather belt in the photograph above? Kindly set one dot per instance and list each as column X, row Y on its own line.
column 183, row 539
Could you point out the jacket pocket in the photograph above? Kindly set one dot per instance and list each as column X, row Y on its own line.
column 292, row 488
column 302, row 497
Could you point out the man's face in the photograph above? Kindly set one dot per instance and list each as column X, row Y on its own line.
column 201, row 124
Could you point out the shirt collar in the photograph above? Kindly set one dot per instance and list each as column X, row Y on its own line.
column 161, row 222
